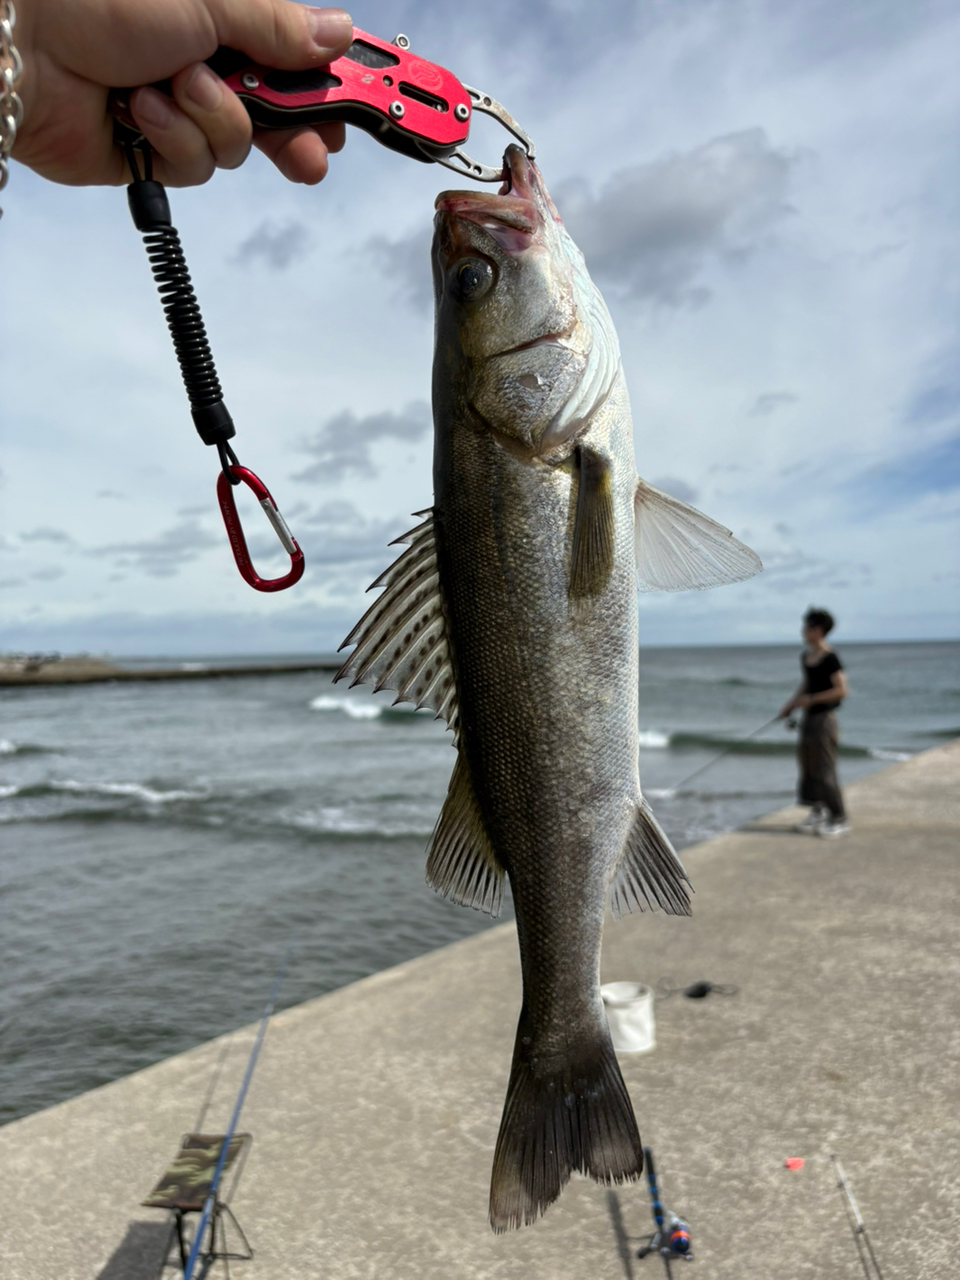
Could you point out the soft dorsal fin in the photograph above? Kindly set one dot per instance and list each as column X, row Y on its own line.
column 401, row 641
column 461, row 863
column 591, row 561
column 649, row 872
column 681, row 549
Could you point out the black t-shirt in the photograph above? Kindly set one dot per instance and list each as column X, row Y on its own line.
column 819, row 678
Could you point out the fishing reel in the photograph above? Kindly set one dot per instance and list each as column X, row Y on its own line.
column 672, row 1240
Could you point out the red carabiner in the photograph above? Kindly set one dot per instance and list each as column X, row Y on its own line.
column 239, row 543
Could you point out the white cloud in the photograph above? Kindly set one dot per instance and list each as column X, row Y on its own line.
column 652, row 228
column 678, row 138
column 277, row 246
column 770, row 401
column 344, row 444
column 162, row 556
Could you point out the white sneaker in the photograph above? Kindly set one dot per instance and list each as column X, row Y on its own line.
column 813, row 821
column 829, row 830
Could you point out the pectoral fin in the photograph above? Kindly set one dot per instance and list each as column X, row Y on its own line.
column 681, row 549
column 591, row 561
column 649, row 871
column 401, row 641
column 461, row 863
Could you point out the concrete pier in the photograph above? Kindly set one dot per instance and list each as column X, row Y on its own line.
column 374, row 1109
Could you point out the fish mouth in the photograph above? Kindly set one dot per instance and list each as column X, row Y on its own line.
column 559, row 339
column 512, row 217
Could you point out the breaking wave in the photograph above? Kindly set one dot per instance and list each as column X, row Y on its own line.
column 403, row 820
column 363, row 710
column 718, row 742
column 126, row 790
column 8, row 748
column 351, row 707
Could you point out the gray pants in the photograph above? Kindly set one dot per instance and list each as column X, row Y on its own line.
column 817, row 756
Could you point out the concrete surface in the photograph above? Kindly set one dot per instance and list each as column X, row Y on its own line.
column 374, row 1109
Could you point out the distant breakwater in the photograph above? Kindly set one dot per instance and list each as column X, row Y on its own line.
column 90, row 671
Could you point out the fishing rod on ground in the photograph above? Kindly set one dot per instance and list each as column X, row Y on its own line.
column 211, row 1200
column 726, row 751
column 671, row 1239
column 858, row 1227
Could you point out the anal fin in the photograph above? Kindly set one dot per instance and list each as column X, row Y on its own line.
column 461, row 863
column 649, row 873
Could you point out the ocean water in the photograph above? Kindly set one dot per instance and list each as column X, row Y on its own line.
column 162, row 845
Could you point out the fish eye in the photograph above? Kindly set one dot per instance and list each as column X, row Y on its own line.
column 474, row 278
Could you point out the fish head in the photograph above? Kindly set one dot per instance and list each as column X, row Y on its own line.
column 525, row 347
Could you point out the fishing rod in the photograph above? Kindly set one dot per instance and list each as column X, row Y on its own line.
column 211, row 1200
column 672, row 1236
column 726, row 751
column 858, row 1227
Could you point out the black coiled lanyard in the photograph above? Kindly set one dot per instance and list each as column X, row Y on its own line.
column 150, row 210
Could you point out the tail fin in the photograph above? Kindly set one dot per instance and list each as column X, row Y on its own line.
column 560, row 1115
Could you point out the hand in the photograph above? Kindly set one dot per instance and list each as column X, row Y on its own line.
column 785, row 710
column 74, row 51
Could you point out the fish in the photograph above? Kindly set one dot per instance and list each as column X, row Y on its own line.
column 512, row 614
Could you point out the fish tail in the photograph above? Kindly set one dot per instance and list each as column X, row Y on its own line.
column 560, row 1115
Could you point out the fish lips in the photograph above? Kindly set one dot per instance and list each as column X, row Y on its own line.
column 513, row 218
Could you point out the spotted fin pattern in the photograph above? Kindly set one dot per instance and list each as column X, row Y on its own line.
column 401, row 641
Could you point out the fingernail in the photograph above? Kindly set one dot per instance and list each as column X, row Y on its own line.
column 204, row 88
column 154, row 107
column 331, row 28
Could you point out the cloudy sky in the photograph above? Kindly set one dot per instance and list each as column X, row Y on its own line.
column 766, row 192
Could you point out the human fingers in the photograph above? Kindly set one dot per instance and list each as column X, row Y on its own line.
column 124, row 42
column 182, row 154
column 217, row 112
column 278, row 34
column 301, row 155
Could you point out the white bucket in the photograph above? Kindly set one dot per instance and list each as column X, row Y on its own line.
column 629, row 1009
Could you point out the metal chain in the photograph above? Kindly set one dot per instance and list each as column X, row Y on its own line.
column 11, row 68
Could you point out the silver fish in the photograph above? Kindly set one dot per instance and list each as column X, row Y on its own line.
column 513, row 615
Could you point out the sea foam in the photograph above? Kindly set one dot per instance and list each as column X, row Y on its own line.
column 134, row 789
column 349, row 706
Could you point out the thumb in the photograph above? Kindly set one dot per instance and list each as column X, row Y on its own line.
column 283, row 35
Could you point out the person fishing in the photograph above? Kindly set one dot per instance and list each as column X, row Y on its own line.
column 821, row 692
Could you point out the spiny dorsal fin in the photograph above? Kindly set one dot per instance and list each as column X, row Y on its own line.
column 681, row 549
column 461, row 863
column 401, row 641
column 649, row 872
column 591, row 560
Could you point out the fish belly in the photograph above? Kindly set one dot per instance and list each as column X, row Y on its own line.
column 547, row 693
